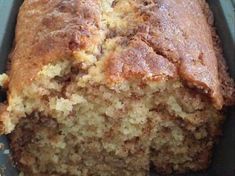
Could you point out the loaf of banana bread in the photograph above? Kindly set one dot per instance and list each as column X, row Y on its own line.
column 110, row 87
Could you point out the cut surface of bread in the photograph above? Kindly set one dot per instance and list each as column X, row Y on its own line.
column 102, row 88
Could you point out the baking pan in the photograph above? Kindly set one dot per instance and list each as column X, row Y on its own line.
column 223, row 163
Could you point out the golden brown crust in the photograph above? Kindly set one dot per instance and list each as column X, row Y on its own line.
column 50, row 30
column 226, row 82
column 138, row 61
column 178, row 29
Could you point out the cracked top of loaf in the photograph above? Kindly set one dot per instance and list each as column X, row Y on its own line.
column 124, row 40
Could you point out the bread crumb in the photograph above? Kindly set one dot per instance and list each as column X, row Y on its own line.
column 1, row 146
column 6, row 152
column 4, row 79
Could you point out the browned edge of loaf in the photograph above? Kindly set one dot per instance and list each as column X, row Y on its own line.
column 43, row 37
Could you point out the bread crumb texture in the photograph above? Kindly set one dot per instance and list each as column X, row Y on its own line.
column 110, row 87
column 4, row 79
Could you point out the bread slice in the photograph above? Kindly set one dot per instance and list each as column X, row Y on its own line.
column 108, row 87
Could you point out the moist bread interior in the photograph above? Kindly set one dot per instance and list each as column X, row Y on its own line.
column 69, row 128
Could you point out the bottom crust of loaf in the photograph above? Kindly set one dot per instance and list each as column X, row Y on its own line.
column 92, row 130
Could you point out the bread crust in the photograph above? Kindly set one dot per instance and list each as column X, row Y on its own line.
column 177, row 30
column 47, row 31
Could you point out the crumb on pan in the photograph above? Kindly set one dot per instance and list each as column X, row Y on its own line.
column 4, row 79
column 1, row 146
